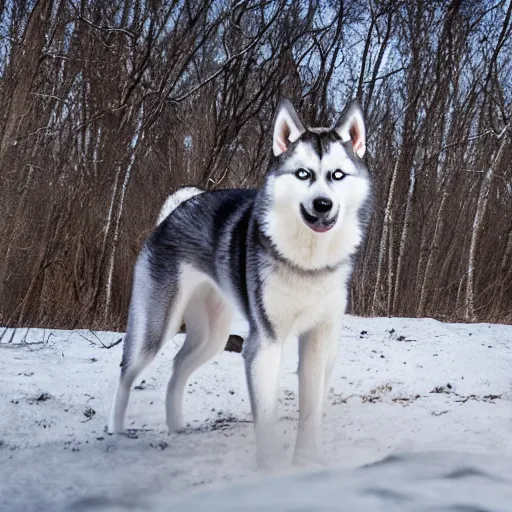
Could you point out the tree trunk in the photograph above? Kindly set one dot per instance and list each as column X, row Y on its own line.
column 481, row 208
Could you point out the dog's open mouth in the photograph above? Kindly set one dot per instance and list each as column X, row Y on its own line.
column 316, row 223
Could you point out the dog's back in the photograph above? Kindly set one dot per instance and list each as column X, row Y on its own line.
column 207, row 232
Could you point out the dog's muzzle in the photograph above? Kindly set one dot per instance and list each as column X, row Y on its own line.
column 320, row 222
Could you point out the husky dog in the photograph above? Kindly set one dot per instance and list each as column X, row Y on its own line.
column 281, row 254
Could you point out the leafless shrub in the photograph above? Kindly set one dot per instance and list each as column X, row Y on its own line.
column 109, row 106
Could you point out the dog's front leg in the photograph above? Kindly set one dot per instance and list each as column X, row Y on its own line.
column 262, row 363
column 316, row 351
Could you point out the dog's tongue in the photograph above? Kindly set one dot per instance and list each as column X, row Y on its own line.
column 320, row 229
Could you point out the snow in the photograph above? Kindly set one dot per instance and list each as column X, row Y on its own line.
column 439, row 392
column 446, row 481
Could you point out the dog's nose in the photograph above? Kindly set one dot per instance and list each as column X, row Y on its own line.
column 322, row 205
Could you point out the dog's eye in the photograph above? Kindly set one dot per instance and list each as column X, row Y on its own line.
column 303, row 174
column 338, row 174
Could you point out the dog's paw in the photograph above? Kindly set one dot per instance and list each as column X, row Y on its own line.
column 312, row 459
column 273, row 463
column 111, row 429
column 175, row 425
column 273, row 458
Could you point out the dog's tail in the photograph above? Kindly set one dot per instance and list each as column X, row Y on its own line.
column 174, row 200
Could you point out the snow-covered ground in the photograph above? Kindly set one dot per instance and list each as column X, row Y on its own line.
column 399, row 385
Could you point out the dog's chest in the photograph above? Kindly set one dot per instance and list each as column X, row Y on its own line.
column 294, row 303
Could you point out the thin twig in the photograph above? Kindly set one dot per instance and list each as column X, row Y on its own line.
column 87, row 339
column 101, row 342
column 226, row 63
column 112, row 344
column 106, row 28
column 95, row 335
column 50, row 96
column 383, row 77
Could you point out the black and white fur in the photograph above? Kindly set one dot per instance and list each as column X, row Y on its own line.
column 281, row 254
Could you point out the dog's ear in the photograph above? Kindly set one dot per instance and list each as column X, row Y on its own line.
column 350, row 126
column 287, row 127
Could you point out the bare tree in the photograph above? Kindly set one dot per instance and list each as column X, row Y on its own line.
column 109, row 106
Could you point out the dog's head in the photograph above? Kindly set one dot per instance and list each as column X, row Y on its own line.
column 317, row 181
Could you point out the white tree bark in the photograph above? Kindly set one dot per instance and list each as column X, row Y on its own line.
column 384, row 237
column 129, row 167
column 483, row 199
column 391, row 265
column 403, row 237
column 433, row 252
column 108, row 222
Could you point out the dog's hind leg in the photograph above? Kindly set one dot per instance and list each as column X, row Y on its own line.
column 208, row 319
column 129, row 373
column 155, row 314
